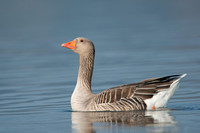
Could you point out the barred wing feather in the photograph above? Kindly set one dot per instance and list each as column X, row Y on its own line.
column 132, row 96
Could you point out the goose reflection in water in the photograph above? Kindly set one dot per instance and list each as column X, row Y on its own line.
column 89, row 122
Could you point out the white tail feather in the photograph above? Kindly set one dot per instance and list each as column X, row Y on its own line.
column 161, row 98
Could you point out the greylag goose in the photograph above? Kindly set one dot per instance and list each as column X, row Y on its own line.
column 145, row 95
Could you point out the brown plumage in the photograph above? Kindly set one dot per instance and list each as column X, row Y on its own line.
column 131, row 96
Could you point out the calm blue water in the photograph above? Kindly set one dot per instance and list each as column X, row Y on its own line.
column 134, row 40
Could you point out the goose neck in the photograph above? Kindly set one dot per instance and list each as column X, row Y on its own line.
column 85, row 71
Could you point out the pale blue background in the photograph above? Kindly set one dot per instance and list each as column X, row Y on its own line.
column 134, row 40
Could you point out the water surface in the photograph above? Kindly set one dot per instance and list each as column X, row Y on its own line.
column 133, row 40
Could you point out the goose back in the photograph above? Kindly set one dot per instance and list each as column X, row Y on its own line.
column 131, row 96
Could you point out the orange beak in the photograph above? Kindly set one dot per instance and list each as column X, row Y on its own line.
column 70, row 45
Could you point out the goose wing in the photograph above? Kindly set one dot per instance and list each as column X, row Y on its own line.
column 131, row 96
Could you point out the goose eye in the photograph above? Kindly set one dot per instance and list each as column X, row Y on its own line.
column 81, row 40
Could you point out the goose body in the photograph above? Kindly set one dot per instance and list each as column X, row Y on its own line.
column 145, row 95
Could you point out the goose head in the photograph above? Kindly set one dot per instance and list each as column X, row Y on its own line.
column 80, row 45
